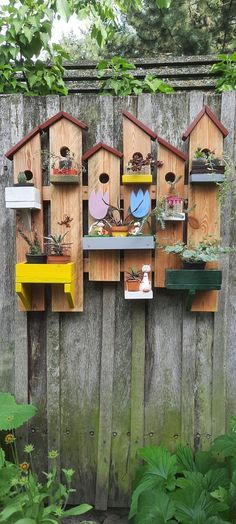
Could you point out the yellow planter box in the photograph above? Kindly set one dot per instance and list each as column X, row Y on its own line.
column 137, row 179
column 27, row 274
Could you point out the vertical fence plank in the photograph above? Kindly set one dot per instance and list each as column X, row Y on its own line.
column 137, row 383
column 53, row 382
column 221, row 317
column 106, row 393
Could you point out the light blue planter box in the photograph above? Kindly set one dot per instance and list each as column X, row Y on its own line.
column 117, row 243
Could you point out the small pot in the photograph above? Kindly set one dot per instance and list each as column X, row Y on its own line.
column 119, row 231
column 65, row 164
column 59, row 259
column 36, row 259
column 199, row 162
column 133, row 285
column 194, row 265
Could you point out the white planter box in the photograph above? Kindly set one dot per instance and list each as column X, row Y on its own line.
column 22, row 197
column 138, row 295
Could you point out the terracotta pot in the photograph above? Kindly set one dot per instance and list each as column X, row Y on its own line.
column 133, row 285
column 119, row 231
column 36, row 259
column 59, row 259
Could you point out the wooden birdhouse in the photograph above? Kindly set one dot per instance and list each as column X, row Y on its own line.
column 65, row 134
column 137, row 145
column 205, row 133
column 27, row 197
column 103, row 190
column 170, row 196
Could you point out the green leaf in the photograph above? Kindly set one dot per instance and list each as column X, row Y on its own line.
column 13, row 415
column 185, row 460
column 28, row 33
column 225, row 444
column 154, row 507
column 78, row 510
column 63, row 9
column 26, row 521
column 163, row 3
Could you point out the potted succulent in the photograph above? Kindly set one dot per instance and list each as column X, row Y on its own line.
column 57, row 249
column 195, row 256
column 140, row 165
column 119, row 225
column 23, row 194
column 35, row 255
column 207, row 167
column 133, row 279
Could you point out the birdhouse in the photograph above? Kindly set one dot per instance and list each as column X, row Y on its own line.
column 137, row 145
column 205, row 133
column 65, row 135
column 170, row 191
column 103, row 190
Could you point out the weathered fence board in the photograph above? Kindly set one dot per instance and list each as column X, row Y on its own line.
column 98, row 399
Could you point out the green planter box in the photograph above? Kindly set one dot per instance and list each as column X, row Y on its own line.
column 193, row 280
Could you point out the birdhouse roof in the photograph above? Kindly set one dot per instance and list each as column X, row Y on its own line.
column 171, row 148
column 59, row 116
column 42, row 127
column 101, row 145
column 9, row 154
column 205, row 111
column 142, row 126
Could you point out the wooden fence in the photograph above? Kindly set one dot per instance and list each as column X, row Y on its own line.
column 121, row 374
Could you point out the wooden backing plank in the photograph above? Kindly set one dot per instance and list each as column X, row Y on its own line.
column 205, row 135
column 119, row 484
column 223, row 386
column 8, row 133
column 104, row 266
column 53, row 383
column 80, row 356
column 106, row 394
column 66, row 199
column 203, row 381
column 173, row 231
column 137, row 385
column 134, row 140
column 163, row 369
column 188, row 378
column 29, row 157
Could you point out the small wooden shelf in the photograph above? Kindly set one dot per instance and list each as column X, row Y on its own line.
column 138, row 295
column 193, row 280
column 137, row 179
column 208, row 178
column 179, row 218
column 22, row 197
column 27, row 274
column 117, row 243
column 64, row 179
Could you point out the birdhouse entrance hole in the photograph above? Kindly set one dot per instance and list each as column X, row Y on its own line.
column 104, row 178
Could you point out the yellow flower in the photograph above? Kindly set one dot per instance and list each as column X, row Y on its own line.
column 53, row 454
column 24, row 466
column 9, row 438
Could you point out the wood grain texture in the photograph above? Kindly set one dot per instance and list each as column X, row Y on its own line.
column 134, row 140
column 104, row 266
column 173, row 232
column 189, row 381
column 66, row 199
column 106, row 394
column 29, row 157
column 205, row 135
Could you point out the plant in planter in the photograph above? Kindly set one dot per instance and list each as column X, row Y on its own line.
column 35, row 255
column 121, row 226
column 140, row 165
column 133, row 279
column 195, row 256
column 205, row 162
column 63, row 164
column 24, row 178
column 57, row 249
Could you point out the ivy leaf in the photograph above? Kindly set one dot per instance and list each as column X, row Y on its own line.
column 13, row 415
column 63, row 9
column 28, row 34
